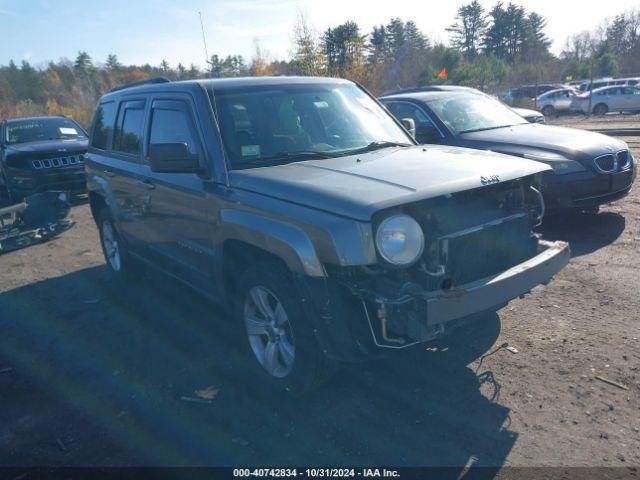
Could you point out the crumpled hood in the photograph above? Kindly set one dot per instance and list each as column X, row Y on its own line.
column 357, row 186
column 572, row 143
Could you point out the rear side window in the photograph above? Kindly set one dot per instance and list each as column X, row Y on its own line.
column 128, row 134
column 103, row 125
column 172, row 123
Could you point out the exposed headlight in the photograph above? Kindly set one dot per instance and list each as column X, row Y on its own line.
column 560, row 164
column 400, row 240
column 629, row 161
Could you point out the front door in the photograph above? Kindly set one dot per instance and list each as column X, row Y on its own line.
column 179, row 232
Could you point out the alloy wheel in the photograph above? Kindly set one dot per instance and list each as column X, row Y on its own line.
column 269, row 331
column 111, row 246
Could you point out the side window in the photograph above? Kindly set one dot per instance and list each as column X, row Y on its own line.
column 128, row 132
column 103, row 125
column 404, row 110
column 172, row 123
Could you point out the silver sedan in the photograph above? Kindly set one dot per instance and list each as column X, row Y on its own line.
column 609, row 99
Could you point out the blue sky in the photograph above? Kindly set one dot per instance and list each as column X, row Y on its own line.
column 146, row 31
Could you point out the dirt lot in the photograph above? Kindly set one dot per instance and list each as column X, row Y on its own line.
column 92, row 373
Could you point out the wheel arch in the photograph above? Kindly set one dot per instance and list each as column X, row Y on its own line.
column 272, row 238
column 96, row 203
column 595, row 107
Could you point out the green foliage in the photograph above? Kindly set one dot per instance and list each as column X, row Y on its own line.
column 493, row 50
column 230, row 66
column 469, row 29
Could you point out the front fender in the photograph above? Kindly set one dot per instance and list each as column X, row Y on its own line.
column 288, row 242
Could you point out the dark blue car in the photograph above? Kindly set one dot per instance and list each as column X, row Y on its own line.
column 589, row 169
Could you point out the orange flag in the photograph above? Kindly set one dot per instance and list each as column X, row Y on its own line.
column 443, row 73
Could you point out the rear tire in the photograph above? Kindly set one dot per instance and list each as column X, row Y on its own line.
column 115, row 253
column 600, row 109
column 548, row 111
column 280, row 348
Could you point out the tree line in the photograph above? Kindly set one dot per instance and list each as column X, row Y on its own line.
column 489, row 49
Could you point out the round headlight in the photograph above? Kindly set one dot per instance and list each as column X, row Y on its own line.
column 400, row 240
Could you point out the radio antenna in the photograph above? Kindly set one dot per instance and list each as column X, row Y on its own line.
column 204, row 41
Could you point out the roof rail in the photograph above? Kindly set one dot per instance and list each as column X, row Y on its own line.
column 150, row 81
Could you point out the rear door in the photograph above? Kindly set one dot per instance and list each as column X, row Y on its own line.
column 114, row 160
column 124, row 169
column 631, row 97
column 179, row 233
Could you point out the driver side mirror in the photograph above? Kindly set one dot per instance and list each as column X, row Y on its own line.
column 410, row 125
column 173, row 158
column 428, row 134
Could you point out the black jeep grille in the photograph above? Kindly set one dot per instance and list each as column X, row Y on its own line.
column 57, row 162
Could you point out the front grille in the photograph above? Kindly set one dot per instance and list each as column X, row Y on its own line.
column 489, row 250
column 58, row 162
column 624, row 159
column 612, row 162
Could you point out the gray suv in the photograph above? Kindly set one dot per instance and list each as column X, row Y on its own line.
column 304, row 208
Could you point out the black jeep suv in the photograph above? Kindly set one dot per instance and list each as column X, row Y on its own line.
column 40, row 154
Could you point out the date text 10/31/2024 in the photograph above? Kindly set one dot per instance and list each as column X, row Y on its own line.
column 316, row 472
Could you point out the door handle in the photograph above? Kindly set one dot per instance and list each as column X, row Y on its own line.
column 109, row 173
column 146, row 184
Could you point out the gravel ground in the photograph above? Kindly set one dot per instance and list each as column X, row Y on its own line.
column 93, row 373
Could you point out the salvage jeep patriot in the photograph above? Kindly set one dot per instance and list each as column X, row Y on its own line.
column 307, row 210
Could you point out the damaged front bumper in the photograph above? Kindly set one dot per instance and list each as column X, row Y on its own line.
column 419, row 316
column 36, row 219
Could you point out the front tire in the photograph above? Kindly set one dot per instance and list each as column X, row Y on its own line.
column 600, row 109
column 548, row 111
column 279, row 343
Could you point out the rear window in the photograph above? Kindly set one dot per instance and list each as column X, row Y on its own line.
column 128, row 134
column 103, row 125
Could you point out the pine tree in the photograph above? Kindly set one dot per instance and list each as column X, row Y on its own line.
column 469, row 28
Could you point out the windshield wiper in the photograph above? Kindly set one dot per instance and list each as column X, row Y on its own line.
column 377, row 145
column 281, row 158
column 485, row 128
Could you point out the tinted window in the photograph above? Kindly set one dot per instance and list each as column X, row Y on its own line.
column 405, row 110
column 469, row 113
column 103, row 125
column 173, row 126
column 129, row 132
